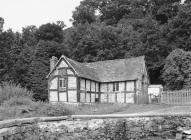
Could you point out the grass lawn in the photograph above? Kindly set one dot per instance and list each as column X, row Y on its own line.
column 153, row 109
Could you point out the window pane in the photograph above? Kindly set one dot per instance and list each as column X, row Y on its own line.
column 62, row 82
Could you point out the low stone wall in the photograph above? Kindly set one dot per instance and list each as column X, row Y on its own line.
column 108, row 127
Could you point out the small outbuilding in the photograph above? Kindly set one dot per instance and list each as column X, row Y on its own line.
column 154, row 92
column 111, row 81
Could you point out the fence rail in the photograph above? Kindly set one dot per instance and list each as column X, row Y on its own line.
column 181, row 97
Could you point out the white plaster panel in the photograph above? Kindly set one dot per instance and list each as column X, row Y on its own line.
column 87, row 85
column 54, row 83
column 82, row 84
column 82, row 97
column 120, row 98
column 93, row 98
column 97, row 87
column 71, row 82
column 103, row 98
column 62, row 64
column 130, row 98
column 72, row 96
column 130, row 86
column 111, row 98
column 154, row 91
column 103, row 87
column 69, row 71
column 53, row 96
column 121, row 86
column 88, row 97
column 62, row 96
column 110, row 87
column 92, row 86
column 97, row 95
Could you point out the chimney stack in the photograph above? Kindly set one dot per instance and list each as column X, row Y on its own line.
column 53, row 62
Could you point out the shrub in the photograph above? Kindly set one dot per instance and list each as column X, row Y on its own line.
column 18, row 101
column 53, row 110
column 10, row 90
column 20, row 107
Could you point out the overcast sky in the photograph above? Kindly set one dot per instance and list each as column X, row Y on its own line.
column 21, row 13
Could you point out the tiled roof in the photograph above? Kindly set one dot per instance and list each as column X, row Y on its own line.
column 110, row 70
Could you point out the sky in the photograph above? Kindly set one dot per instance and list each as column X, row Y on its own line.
column 21, row 13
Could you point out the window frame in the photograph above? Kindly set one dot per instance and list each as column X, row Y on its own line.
column 62, row 83
column 116, row 86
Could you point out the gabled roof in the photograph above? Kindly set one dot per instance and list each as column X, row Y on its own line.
column 109, row 70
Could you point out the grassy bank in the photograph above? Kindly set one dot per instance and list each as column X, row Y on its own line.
column 17, row 102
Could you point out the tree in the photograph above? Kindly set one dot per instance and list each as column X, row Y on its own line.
column 1, row 24
column 29, row 35
column 177, row 70
column 9, row 50
column 50, row 32
column 179, row 28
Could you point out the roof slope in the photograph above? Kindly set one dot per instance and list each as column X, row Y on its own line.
column 109, row 70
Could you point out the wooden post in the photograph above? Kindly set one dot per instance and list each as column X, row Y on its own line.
column 90, row 91
column 107, row 93
column 125, row 92
column 78, row 88
column 85, row 91
column 58, row 88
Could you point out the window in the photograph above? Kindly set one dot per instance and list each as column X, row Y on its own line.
column 116, row 86
column 62, row 83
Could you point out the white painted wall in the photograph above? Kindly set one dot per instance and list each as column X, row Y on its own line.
column 92, row 86
column 110, row 87
column 87, row 85
column 82, row 84
column 121, row 86
column 62, row 64
column 120, row 98
column 62, row 96
column 53, row 96
column 111, row 98
column 53, row 83
column 103, row 87
column 155, row 90
column 72, row 82
column 103, row 98
column 130, row 86
column 88, row 97
column 72, row 96
column 130, row 98
column 69, row 71
column 97, row 87
column 93, row 98
column 82, row 97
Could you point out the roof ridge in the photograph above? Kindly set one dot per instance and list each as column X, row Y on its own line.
column 113, row 60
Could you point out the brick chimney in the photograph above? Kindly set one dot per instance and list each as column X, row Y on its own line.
column 53, row 62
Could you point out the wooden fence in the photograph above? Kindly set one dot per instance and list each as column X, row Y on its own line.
column 180, row 97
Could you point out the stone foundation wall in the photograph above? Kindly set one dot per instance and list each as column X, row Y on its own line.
column 104, row 128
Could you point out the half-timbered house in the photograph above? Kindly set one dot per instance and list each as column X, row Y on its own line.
column 111, row 81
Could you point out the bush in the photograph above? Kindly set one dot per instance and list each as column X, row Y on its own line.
column 19, row 101
column 10, row 90
column 54, row 110
column 20, row 107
